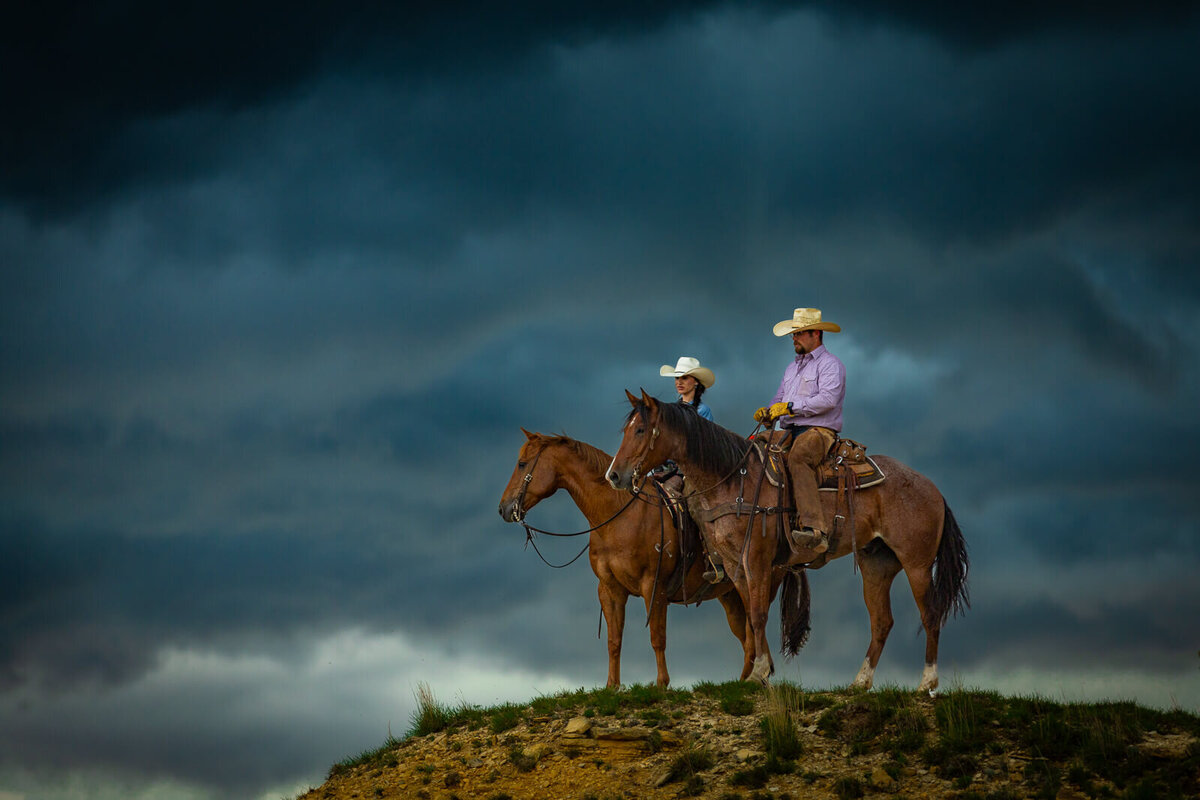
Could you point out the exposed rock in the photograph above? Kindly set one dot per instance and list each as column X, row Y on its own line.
column 1157, row 745
column 880, row 779
column 578, row 727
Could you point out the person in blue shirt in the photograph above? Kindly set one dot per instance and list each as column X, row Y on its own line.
column 691, row 380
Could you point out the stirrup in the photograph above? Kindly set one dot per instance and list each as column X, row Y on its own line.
column 809, row 539
column 715, row 573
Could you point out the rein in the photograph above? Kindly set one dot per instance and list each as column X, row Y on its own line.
column 530, row 530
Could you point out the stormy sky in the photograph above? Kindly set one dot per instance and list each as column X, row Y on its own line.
column 282, row 282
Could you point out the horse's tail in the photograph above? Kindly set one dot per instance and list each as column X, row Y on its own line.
column 794, row 612
column 948, row 595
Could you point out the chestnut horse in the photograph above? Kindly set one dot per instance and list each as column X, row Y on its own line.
column 634, row 548
column 903, row 523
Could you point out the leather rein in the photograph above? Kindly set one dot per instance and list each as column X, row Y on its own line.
column 530, row 530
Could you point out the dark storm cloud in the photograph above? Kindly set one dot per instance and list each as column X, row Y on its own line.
column 285, row 282
column 81, row 77
column 82, row 80
column 1055, row 636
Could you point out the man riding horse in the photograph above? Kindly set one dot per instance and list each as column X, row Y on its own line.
column 808, row 408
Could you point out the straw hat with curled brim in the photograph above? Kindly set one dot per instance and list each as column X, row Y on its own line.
column 689, row 366
column 805, row 319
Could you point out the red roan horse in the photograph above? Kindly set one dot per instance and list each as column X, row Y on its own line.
column 634, row 549
column 902, row 524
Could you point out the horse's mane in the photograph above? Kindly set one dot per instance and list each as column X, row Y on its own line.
column 593, row 456
column 709, row 446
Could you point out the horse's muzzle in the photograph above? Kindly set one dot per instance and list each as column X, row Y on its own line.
column 619, row 481
column 511, row 511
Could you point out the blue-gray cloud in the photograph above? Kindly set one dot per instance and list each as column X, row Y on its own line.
column 271, row 328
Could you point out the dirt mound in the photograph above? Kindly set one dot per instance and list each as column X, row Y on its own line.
column 787, row 744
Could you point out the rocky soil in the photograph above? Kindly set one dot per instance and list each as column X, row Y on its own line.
column 843, row 745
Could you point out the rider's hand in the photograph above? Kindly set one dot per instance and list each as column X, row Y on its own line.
column 778, row 410
column 762, row 415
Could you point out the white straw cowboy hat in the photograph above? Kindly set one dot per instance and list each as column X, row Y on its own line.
column 689, row 366
column 805, row 319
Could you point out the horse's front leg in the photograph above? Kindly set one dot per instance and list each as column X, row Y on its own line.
column 735, row 615
column 760, row 603
column 657, row 611
column 612, row 604
column 759, row 553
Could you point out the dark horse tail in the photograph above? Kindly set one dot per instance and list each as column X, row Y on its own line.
column 794, row 612
column 948, row 596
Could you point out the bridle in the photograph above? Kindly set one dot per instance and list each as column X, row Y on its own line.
column 634, row 486
column 519, row 508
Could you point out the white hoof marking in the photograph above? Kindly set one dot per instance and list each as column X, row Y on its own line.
column 866, row 675
column 929, row 679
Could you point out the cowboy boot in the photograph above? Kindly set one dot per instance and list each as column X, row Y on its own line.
column 809, row 539
column 716, row 571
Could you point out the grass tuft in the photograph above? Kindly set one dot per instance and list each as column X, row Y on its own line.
column 693, row 760
column 430, row 716
column 781, row 738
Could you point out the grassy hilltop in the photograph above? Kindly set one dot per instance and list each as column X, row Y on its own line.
column 739, row 740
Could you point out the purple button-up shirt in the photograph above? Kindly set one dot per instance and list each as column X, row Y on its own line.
column 815, row 385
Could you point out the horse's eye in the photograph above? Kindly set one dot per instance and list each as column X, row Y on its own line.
column 521, row 464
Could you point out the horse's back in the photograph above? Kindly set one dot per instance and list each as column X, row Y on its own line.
column 905, row 480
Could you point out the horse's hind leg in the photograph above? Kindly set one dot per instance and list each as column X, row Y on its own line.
column 879, row 567
column 735, row 615
column 920, row 581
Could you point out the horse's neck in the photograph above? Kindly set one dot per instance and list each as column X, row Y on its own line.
column 706, row 487
column 596, row 499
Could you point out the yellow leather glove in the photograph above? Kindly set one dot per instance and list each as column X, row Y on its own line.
column 768, row 413
column 778, row 410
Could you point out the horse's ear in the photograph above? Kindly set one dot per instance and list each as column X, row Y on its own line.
column 528, row 435
column 647, row 400
column 633, row 401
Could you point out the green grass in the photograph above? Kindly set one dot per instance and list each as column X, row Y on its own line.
column 382, row 756
column 506, row 717
column 734, row 697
